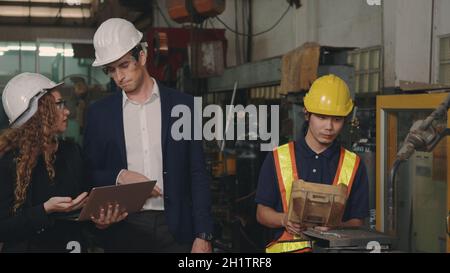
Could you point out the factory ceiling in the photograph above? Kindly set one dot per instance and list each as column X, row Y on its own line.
column 77, row 13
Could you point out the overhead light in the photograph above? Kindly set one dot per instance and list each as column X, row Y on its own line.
column 17, row 48
column 49, row 51
column 68, row 53
column 28, row 48
column 73, row 2
column 46, row 50
column 47, row 54
column 13, row 47
column 65, row 12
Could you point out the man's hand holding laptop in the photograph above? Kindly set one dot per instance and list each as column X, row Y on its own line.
column 128, row 177
column 114, row 213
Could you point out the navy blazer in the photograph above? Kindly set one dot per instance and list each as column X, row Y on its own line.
column 187, row 197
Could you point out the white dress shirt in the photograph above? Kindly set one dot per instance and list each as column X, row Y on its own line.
column 142, row 126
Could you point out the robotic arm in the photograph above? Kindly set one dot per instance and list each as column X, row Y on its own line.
column 423, row 136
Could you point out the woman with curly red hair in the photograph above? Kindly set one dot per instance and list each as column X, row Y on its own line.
column 41, row 177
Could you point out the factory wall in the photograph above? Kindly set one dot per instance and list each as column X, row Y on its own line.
column 407, row 40
column 409, row 31
column 441, row 29
column 335, row 23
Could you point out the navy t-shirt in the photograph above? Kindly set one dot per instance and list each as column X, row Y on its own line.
column 318, row 168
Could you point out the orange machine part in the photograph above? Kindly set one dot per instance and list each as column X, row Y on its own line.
column 178, row 11
column 209, row 8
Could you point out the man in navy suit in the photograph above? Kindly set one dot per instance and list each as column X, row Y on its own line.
column 128, row 139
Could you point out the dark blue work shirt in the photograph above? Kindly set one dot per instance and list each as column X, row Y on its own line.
column 318, row 168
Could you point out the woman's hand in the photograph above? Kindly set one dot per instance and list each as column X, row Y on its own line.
column 65, row 204
column 112, row 216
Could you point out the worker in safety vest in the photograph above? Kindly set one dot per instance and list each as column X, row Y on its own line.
column 317, row 157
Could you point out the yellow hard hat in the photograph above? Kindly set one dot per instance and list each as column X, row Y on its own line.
column 329, row 95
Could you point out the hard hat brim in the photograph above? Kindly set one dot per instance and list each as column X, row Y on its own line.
column 335, row 113
column 32, row 107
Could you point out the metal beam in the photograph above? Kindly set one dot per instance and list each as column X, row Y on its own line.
column 45, row 22
column 43, row 4
column 268, row 72
column 255, row 74
column 33, row 33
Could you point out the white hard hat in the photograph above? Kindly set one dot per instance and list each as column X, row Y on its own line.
column 21, row 94
column 113, row 39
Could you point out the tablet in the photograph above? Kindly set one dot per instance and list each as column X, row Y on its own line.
column 131, row 198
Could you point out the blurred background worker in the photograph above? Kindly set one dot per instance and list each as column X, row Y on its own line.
column 41, row 176
column 317, row 157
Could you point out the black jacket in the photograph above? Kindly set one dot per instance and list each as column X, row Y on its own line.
column 30, row 229
column 187, row 197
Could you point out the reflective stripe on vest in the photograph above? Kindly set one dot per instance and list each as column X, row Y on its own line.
column 346, row 170
column 286, row 167
column 284, row 158
column 292, row 246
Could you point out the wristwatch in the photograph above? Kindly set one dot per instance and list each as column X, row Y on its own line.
column 205, row 236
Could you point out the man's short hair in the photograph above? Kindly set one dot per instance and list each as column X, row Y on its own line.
column 137, row 50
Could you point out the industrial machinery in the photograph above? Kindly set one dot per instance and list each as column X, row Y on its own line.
column 412, row 181
column 349, row 240
column 423, row 136
column 363, row 138
column 176, row 55
column 235, row 170
column 184, row 11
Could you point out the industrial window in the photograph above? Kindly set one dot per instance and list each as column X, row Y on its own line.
column 444, row 60
column 368, row 69
column 56, row 60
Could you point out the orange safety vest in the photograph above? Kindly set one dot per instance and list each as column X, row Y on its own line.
column 286, row 167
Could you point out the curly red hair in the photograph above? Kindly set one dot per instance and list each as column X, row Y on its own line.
column 37, row 136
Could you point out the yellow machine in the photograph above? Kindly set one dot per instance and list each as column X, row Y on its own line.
column 415, row 206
